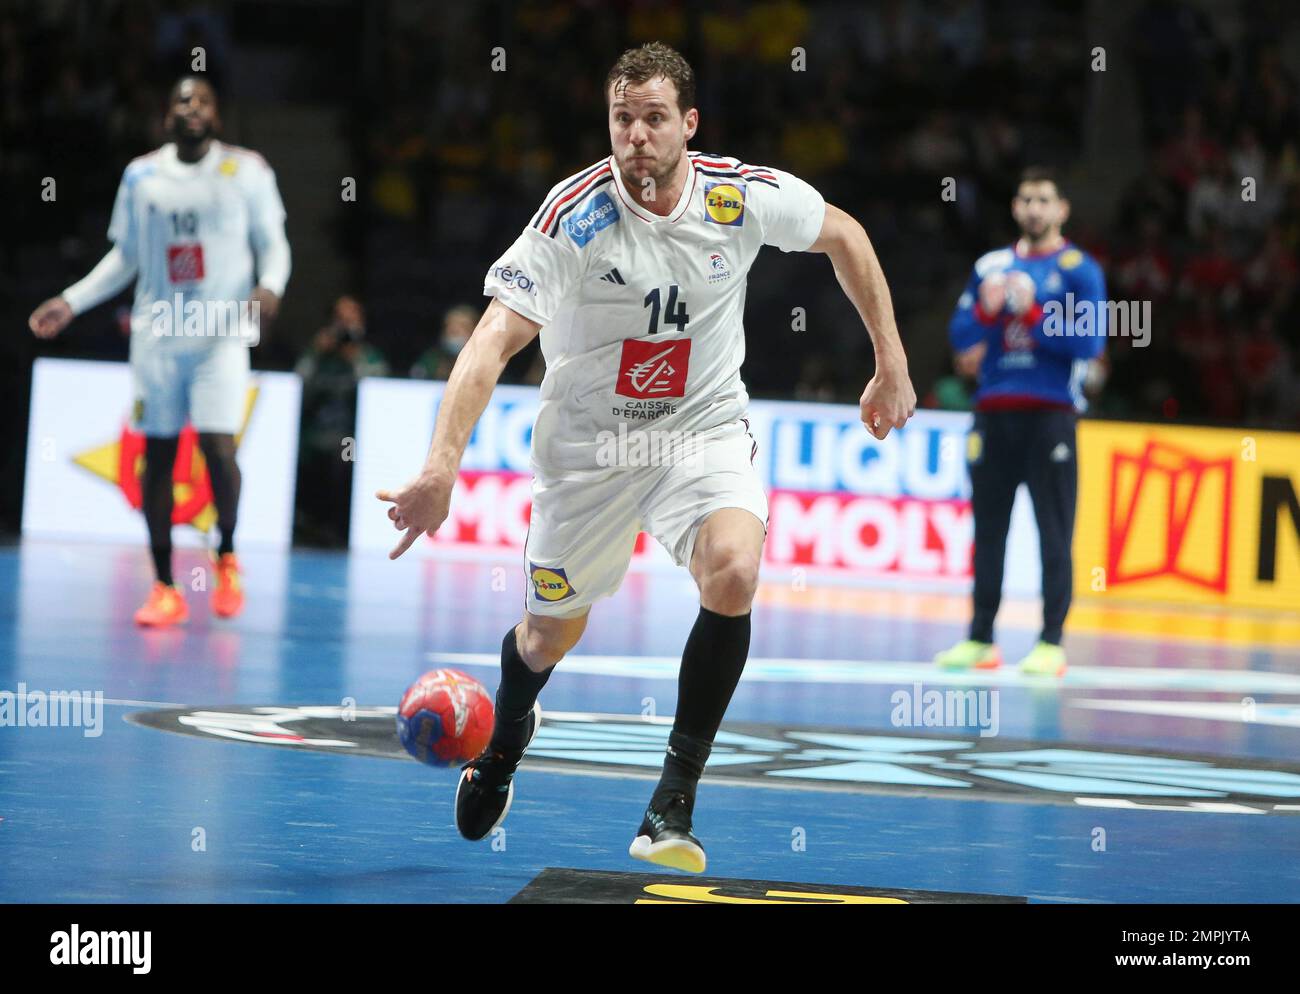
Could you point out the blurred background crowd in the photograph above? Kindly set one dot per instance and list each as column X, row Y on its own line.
column 1173, row 123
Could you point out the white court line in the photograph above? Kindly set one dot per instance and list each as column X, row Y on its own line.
column 1283, row 715
column 870, row 671
column 141, row 704
column 117, row 702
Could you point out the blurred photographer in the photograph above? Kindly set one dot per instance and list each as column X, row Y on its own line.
column 337, row 360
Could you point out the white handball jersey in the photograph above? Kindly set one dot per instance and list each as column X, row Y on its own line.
column 196, row 230
column 643, row 316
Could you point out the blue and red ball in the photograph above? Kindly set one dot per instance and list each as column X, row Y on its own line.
column 445, row 718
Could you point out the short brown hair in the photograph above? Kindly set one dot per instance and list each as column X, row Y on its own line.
column 1042, row 174
column 650, row 61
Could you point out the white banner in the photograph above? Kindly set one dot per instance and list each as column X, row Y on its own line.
column 82, row 478
column 842, row 504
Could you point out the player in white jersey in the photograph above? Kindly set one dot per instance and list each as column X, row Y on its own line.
column 633, row 272
column 199, row 226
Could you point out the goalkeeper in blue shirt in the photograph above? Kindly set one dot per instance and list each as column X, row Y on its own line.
column 1032, row 317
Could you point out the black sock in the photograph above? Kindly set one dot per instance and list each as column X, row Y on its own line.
column 712, row 662
column 516, row 695
column 156, row 490
column 683, row 767
column 162, row 563
column 223, row 472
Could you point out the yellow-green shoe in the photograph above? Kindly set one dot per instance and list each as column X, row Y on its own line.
column 1044, row 659
column 969, row 655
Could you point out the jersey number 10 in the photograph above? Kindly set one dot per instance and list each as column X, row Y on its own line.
column 675, row 314
column 184, row 223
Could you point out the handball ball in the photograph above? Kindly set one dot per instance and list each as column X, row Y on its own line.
column 445, row 718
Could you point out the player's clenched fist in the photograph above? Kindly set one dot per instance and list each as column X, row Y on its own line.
column 419, row 508
column 50, row 318
column 993, row 293
column 1020, row 291
column 889, row 400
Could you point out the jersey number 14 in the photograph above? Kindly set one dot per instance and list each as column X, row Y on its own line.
column 675, row 313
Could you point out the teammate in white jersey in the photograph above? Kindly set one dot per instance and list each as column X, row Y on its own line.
column 633, row 271
column 192, row 224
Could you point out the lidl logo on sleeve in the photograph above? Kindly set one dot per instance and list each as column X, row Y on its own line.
column 1070, row 258
column 229, row 166
column 598, row 213
column 724, row 203
column 550, row 584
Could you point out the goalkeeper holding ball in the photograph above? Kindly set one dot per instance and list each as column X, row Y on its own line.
column 1031, row 318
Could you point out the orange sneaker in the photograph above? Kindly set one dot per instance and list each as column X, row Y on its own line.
column 164, row 608
column 228, row 594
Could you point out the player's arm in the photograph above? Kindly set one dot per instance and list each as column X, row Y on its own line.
column 110, row 277
column 1087, row 283
column 976, row 315
column 889, row 399
column 270, row 245
column 422, row 505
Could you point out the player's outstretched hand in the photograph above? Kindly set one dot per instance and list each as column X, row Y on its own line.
column 50, row 318
column 419, row 508
column 889, row 399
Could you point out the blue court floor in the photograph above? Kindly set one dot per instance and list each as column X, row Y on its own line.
column 1165, row 766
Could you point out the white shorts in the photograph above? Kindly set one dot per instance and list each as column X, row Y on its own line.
column 582, row 530
column 206, row 385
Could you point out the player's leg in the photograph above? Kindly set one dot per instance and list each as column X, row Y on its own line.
column 529, row 654
column 580, row 541
column 1053, row 479
column 159, row 415
column 218, row 396
column 711, row 515
column 994, row 459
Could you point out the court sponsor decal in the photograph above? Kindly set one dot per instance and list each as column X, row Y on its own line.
column 556, row 885
column 854, row 761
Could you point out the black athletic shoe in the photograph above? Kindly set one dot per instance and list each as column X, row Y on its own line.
column 487, row 786
column 665, row 838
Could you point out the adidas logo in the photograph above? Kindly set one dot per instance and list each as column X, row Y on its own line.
column 1061, row 453
column 613, row 276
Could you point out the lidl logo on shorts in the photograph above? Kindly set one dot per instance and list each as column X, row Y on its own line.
column 974, row 446
column 550, row 584
column 724, row 203
column 599, row 213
